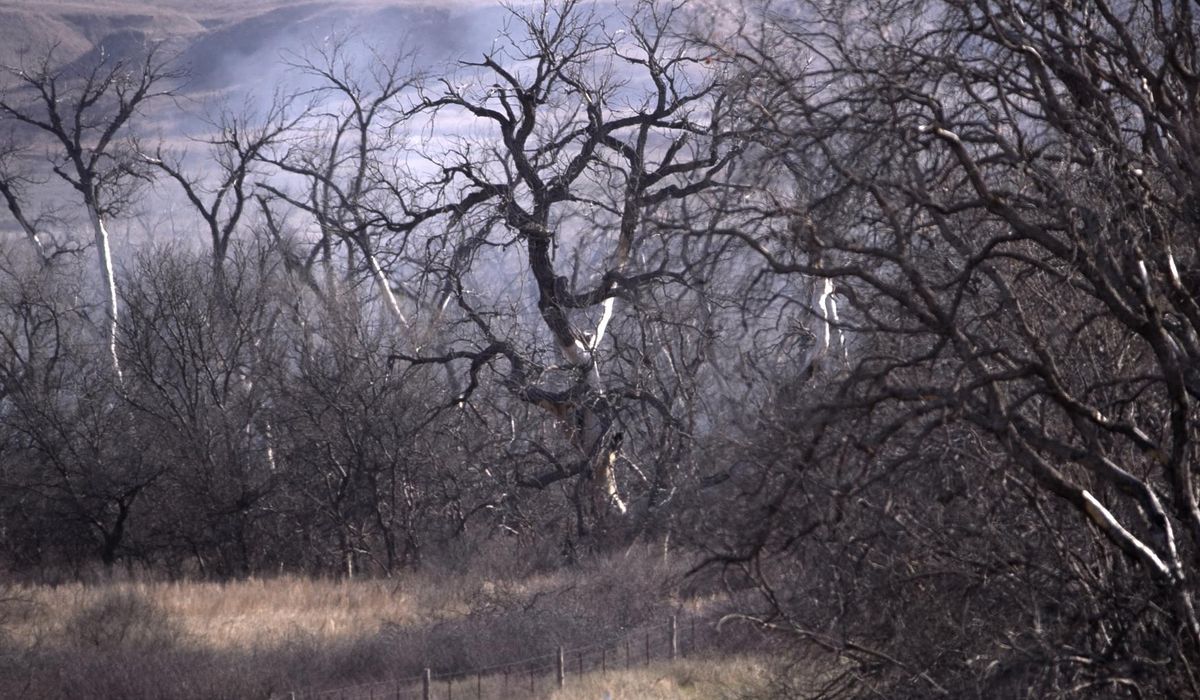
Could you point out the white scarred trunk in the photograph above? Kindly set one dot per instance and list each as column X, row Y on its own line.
column 605, row 471
column 109, row 280
column 385, row 288
column 830, row 347
column 592, row 432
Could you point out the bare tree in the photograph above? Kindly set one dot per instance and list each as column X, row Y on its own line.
column 239, row 143
column 14, row 180
column 591, row 133
column 85, row 114
column 200, row 359
column 74, row 469
column 996, row 191
column 353, row 189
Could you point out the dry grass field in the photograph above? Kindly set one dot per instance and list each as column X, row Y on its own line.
column 698, row 679
column 264, row 638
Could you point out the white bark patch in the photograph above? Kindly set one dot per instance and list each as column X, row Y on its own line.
column 271, row 464
column 1173, row 269
column 822, row 311
column 1105, row 519
column 605, row 317
column 610, row 485
column 1143, row 274
column 386, row 289
column 37, row 244
column 575, row 353
column 829, row 336
column 830, row 313
column 607, row 477
column 110, row 287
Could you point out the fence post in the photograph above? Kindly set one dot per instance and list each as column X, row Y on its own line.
column 674, row 638
column 647, row 647
column 603, row 663
column 531, row 686
column 562, row 671
column 450, row 688
column 627, row 653
column 580, row 655
column 478, row 685
column 426, row 681
column 692, row 649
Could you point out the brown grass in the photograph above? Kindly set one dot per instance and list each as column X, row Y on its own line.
column 236, row 614
column 704, row 678
column 260, row 611
column 266, row 637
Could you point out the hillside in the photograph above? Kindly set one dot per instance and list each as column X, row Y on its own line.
column 221, row 42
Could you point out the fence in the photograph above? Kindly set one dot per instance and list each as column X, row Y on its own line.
column 531, row 676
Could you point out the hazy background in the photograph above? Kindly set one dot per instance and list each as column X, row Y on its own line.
column 238, row 44
column 235, row 58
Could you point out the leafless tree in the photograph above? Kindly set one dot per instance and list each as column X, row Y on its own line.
column 16, row 179
column 237, row 145
column 587, row 132
column 74, row 471
column 85, row 114
column 200, row 360
column 345, row 156
column 996, row 191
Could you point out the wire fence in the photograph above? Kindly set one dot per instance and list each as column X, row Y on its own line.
column 535, row 675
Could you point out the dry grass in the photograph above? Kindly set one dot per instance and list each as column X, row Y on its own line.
column 248, row 613
column 251, row 638
column 696, row 679
column 262, row 611
column 700, row 678
column 266, row 637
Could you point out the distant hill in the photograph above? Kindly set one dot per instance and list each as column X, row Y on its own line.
column 224, row 44
column 29, row 27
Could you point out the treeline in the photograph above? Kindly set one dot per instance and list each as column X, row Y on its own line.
column 254, row 429
column 378, row 332
column 889, row 310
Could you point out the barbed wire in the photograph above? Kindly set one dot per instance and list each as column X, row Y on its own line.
column 527, row 665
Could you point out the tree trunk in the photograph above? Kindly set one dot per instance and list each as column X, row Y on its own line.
column 384, row 287
column 108, row 278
